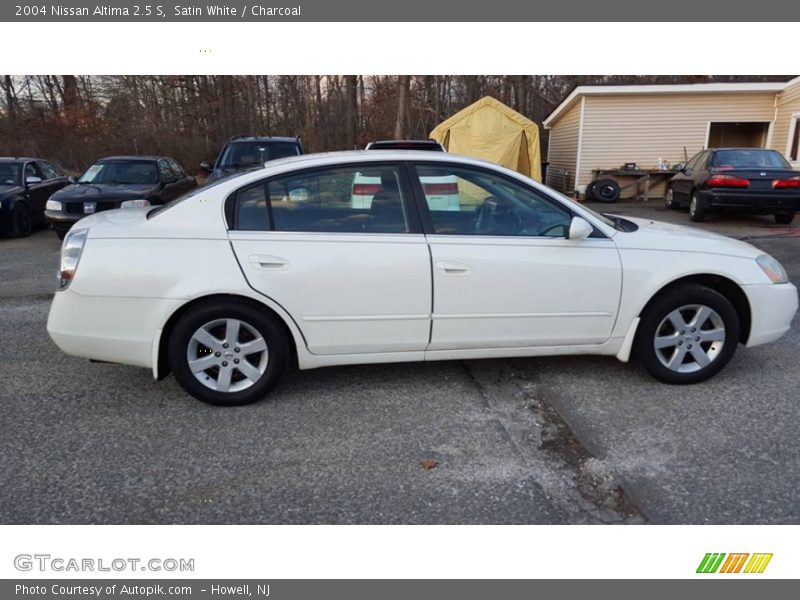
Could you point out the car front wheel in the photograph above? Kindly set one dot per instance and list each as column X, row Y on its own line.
column 784, row 218
column 227, row 353
column 669, row 200
column 687, row 335
column 21, row 221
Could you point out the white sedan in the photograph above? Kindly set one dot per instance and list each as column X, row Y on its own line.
column 227, row 286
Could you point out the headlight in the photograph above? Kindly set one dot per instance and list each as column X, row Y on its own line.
column 134, row 203
column 53, row 205
column 772, row 269
column 71, row 251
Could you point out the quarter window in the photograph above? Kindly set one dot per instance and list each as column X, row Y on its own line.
column 463, row 201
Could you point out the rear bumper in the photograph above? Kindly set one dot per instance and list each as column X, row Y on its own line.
column 751, row 201
column 119, row 330
column 772, row 308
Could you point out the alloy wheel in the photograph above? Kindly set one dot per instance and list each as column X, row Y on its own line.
column 227, row 355
column 689, row 338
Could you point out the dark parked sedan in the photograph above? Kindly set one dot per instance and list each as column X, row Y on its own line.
column 744, row 180
column 118, row 182
column 25, row 186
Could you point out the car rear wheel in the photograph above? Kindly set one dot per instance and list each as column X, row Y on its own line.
column 687, row 335
column 784, row 218
column 21, row 222
column 669, row 200
column 228, row 353
column 697, row 209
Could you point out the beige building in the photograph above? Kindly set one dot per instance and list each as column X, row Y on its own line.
column 604, row 127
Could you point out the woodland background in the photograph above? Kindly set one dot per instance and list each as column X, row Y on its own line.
column 75, row 119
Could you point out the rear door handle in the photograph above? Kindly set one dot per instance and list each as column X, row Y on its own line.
column 453, row 268
column 268, row 263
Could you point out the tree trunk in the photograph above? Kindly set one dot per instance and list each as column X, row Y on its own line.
column 400, row 124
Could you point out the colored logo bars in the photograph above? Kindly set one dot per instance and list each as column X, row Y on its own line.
column 713, row 562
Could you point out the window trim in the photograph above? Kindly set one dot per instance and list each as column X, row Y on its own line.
column 408, row 198
column 794, row 128
column 427, row 221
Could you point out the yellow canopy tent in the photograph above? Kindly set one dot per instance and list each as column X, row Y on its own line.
column 490, row 130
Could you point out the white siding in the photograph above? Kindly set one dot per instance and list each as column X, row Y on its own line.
column 788, row 104
column 642, row 128
column 562, row 150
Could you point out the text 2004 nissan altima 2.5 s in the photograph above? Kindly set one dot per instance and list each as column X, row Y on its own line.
column 227, row 285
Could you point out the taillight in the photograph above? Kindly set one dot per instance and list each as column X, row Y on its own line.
column 727, row 181
column 440, row 189
column 71, row 251
column 787, row 184
column 366, row 189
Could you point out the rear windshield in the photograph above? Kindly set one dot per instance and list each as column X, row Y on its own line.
column 753, row 159
column 123, row 172
column 248, row 154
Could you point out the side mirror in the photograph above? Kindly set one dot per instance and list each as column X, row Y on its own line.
column 72, row 179
column 579, row 229
column 679, row 168
column 206, row 167
column 32, row 179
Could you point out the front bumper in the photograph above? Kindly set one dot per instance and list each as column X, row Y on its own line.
column 61, row 221
column 751, row 201
column 772, row 308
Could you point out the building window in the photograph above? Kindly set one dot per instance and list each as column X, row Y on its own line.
column 794, row 141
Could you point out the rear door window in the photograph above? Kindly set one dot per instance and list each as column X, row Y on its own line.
column 328, row 201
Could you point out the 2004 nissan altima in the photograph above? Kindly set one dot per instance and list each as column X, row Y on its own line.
column 228, row 284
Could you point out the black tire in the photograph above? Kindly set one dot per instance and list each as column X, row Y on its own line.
column 669, row 200
column 656, row 317
column 588, row 195
column 606, row 190
column 61, row 233
column 697, row 209
column 784, row 218
column 21, row 221
column 178, row 347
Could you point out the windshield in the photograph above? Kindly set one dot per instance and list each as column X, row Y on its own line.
column 9, row 173
column 249, row 154
column 752, row 159
column 131, row 172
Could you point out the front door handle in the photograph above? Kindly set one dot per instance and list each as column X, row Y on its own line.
column 269, row 263
column 453, row 268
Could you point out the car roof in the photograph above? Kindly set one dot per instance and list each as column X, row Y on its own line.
column 17, row 158
column 405, row 145
column 302, row 161
column 262, row 138
column 133, row 157
column 743, row 148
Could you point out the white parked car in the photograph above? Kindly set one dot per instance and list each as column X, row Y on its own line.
column 227, row 285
